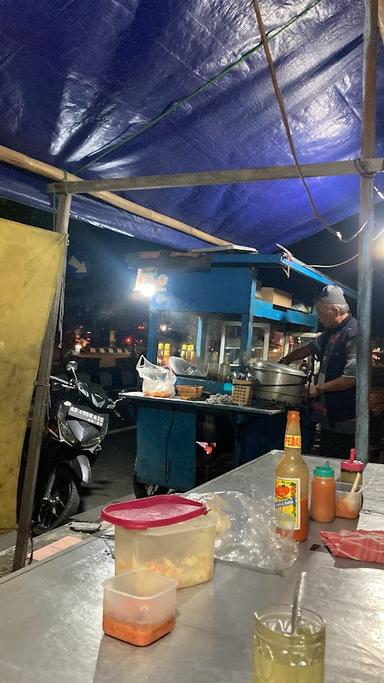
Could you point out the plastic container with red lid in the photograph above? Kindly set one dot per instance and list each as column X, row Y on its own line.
column 168, row 535
column 147, row 513
column 349, row 468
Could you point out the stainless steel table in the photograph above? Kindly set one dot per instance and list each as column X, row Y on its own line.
column 50, row 624
column 138, row 398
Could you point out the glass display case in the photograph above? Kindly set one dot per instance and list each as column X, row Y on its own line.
column 177, row 334
column 230, row 342
column 277, row 343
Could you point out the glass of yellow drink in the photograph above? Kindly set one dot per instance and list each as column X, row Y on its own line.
column 282, row 657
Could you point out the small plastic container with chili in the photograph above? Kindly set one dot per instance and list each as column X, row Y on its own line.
column 139, row 607
column 348, row 502
column 323, row 494
column 349, row 468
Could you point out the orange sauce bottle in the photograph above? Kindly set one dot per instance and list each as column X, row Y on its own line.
column 323, row 494
column 291, row 482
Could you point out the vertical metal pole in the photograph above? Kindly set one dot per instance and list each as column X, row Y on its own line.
column 153, row 327
column 40, row 405
column 246, row 336
column 364, row 304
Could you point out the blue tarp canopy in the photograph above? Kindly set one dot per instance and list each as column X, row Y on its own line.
column 111, row 88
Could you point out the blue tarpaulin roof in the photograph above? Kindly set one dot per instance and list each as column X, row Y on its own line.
column 80, row 77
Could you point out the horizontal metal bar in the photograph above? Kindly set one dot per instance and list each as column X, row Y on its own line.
column 242, row 175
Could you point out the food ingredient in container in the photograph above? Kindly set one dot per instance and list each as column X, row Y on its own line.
column 158, row 382
column 348, row 503
column 139, row 607
column 219, row 399
column 186, row 391
column 169, row 535
column 349, row 468
column 323, row 494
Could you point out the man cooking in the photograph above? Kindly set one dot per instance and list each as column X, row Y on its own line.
column 334, row 391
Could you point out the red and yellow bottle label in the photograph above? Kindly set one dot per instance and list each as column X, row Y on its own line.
column 292, row 441
column 287, row 502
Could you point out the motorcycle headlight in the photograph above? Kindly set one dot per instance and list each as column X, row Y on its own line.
column 95, row 440
column 64, row 428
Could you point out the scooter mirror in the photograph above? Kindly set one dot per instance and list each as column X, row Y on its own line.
column 72, row 366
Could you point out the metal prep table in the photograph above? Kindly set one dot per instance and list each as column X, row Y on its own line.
column 50, row 626
column 167, row 432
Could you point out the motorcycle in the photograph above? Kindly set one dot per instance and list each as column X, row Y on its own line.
column 77, row 424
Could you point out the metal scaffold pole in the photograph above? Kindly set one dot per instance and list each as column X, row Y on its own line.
column 364, row 305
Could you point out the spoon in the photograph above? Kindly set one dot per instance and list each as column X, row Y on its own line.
column 297, row 602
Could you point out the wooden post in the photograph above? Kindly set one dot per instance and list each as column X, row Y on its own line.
column 40, row 406
column 10, row 156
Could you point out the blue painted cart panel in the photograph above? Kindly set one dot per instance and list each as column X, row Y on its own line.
column 264, row 309
column 220, row 290
column 166, row 450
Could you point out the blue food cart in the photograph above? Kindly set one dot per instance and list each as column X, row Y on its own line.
column 228, row 308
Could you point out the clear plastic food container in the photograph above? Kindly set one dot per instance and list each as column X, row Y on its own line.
column 175, row 538
column 348, row 505
column 139, row 607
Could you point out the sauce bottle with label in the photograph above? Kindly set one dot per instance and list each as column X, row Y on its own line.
column 323, row 494
column 291, row 482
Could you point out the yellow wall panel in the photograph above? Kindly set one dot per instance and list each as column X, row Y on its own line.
column 30, row 264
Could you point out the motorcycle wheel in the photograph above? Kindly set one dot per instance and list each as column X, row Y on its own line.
column 62, row 504
column 146, row 490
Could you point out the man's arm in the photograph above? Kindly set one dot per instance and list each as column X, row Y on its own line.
column 297, row 354
column 339, row 384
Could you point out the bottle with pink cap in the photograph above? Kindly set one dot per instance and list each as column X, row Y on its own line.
column 349, row 468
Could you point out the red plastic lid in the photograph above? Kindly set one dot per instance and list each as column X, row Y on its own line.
column 352, row 465
column 152, row 512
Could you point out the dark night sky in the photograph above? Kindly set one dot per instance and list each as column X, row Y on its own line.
column 323, row 248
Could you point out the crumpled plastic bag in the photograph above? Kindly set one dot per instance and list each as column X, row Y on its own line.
column 246, row 532
column 157, row 381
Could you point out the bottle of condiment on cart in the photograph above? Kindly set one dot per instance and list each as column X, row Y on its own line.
column 225, row 369
column 291, row 482
column 323, row 494
column 349, row 468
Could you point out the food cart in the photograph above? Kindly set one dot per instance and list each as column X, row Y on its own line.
column 233, row 308
column 237, row 305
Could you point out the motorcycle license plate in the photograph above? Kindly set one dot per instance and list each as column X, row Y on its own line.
column 86, row 416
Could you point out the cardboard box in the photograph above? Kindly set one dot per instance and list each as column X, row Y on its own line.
column 276, row 297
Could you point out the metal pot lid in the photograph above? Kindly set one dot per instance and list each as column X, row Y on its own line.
column 278, row 367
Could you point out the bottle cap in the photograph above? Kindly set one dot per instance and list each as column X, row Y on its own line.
column 352, row 465
column 324, row 471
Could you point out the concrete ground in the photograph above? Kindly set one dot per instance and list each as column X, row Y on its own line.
column 111, row 481
column 111, row 474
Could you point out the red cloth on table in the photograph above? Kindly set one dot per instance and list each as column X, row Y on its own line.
column 366, row 546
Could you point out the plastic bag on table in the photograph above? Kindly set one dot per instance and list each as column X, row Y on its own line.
column 246, row 532
column 157, row 381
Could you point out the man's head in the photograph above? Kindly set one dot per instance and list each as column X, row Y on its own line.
column 331, row 306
